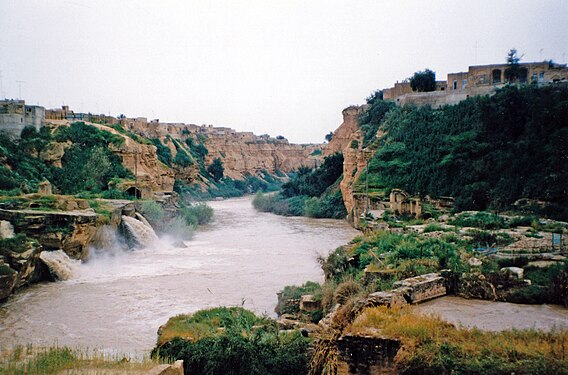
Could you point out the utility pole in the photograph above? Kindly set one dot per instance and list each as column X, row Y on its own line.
column 2, row 95
column 136, row 167
column 476, row 52
column 20, row 88
column 367, row 190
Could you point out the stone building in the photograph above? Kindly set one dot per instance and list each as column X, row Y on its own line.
column 402, row 204
column 64, row 113
column 478, row 80
column 15, row 115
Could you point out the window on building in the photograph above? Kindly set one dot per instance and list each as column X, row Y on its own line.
column 541, row 77
column 496, row 75
column 523, row 75
column 534, row 78
column 464, row 83
column 455, row 85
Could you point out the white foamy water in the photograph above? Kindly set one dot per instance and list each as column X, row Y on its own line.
column 140, row 230
column 118, row 300
column 60, row 265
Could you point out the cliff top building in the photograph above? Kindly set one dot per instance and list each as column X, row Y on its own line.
column 478, row 80
column 15, row 115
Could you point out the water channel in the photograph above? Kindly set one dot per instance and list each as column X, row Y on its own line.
column 117, row 302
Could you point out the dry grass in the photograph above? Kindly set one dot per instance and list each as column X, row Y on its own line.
column 426, row 339
column 57, row 360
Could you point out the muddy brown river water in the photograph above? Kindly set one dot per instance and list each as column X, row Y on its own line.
column 117, row 301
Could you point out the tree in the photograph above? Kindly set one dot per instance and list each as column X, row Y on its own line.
column 513, row 70
column 423, row 81
column 216, row 169
column 32, row 140
column 329, row 136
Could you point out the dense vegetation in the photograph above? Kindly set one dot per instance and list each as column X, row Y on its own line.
column 487, row 152
column 87, row 165
column 375, row 261
column 310, row 192
column 232, row 341
column 226, row 187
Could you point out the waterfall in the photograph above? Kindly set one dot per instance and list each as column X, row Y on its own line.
column 60, row 265
column 142, row 233
column 139, row 216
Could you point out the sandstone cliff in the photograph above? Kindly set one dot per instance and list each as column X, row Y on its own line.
column 242, row 153
column 348, row 139
column 346, row 132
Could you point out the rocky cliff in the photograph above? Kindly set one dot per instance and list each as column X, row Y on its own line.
column 348, row 139
column 52, row 223
column 346, row 132
column 242, row 153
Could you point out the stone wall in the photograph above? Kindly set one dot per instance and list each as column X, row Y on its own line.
column 366, row 355
column 15, row 115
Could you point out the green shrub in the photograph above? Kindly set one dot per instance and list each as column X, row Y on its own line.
column 164, row 153
column 153, row 211
column 17, row 244
column 197, row 214
column 6, row 270
column 483, row 220
column 233, row 341
column 183, row 159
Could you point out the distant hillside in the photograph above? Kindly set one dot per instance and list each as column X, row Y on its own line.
column 121, row 159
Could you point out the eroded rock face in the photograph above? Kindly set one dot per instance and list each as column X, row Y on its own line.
column 242, row 153
column 142, row 161
column 346, row 132
column 354, row 160
column 252, row 157
column 20, row 268
column 70, row 231
column 8, row 279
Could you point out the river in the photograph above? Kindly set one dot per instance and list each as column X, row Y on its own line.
column 117, row 302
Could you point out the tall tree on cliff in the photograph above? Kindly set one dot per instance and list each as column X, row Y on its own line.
column 423, row 81
column 216, row 169
column 513, row 71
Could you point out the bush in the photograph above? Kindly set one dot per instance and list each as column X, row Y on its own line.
column 153, row 212
column 197, row 214
column 17, row 244
column 233, row 341
column 216, row 169
column 483, row 220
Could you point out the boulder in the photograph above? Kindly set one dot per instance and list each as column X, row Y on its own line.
column 516, row 271
column 421, row 288
column 8, row 279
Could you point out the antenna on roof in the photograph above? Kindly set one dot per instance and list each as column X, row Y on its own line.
column 20, row 88
column 476, row 52
column 2, row 95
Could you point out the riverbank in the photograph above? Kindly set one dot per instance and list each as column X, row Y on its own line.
column 120, row 299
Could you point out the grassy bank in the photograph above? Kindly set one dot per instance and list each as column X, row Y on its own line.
column 432, row 346
column 55, row 360
column 231, row 341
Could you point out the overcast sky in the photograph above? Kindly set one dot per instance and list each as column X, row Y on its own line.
column 268, row 66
